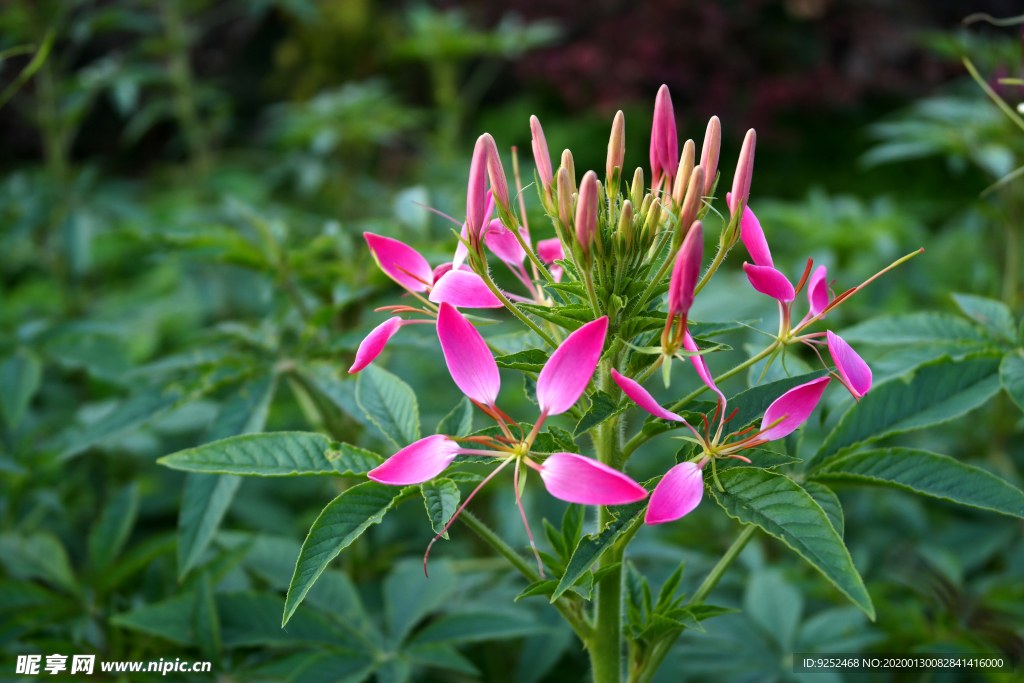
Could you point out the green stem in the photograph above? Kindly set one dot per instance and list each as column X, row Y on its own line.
column 719, row 257
column 658, row 653
column 640, row 438
column 180, row 74
column 592, row 294
column 515, row 311
column 642, row 301
column 568, row 610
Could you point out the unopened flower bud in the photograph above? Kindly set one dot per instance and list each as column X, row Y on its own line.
column 476, row 193
column 709, row 154
column 565, row 192
column 625, row 229
column 616, row 145
column 692, row 200
column 652, row 222
column 686, row 160
column 569, row 166
column 540, row 153
column 586, row 211
column 499, row 186
column 636, row 190
column 686, row 272
column 645, row 205
column 744, row 172
column 664, row 143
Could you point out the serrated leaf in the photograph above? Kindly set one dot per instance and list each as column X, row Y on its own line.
column 914, row 328
column 472, row 628
column 829, row 502
column 459, row 422
column 783, row 509
column 441, row 498
column 530, row 360
column 390, row 404
column 936, row 393
column 110, row 533
column 602, row 408
column 930, row 474
column 273, row 454
column 993, row 315
column 352, row 460
column 542, row 587
column 1011, row 376
column 20, row 375
column 343, row 520
column 759, row 457
column 703, row 611
column 669, row 588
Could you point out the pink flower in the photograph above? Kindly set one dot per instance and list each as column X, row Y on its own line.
column 664, row 143
column 550, row 251
column 374, row 343
column 469, row 361
column 586, row 212
column 465, row 289
column 762, row 275
column 686, row 272
column 400, row 262
column 853, row 371
column 818, row 295
column 503, row 243
column 676, row 495
column 476, row 192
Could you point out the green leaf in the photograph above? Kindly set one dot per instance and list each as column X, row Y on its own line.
column 171, row 619
column 914, row 328
column 1011, row 376
column 542, row 587
column 109, row 534
column 780, row 507
column 37, row 556
column 703, row 611
column 206, row 497
column 829, row 502
column 343, row 520
column 133, row 412
column 351, row 460
column 929, row 474
column 759, row 457
column 440, row 656
column 409, row 595
column 472, row 628
column 936, row 393
column 207, row 623
column 335, row 595
column 254, row 619
column 530, row 360
column 993, row 315
column 335, row 667
column 441, row 498
column 751, row 404
column 274, row 454
column 603, row 407
column 707, row 330
column 591, row 548
column 459, row 422
column 390, row 404
column 20, row 375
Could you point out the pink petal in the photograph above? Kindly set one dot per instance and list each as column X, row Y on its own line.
column 686, row 271
column 817, row 290
column 852, row 368
column 540, row 152
column 578, row 479
column 503, row 243
column 476, row 191
column 570, row 368
column 469, row 360
column 465, row 289
column 416, row 463
column 767, row 280
column 461, row 251
column 642, row 398
column 550, row 250
column 402, row 263
column 796, row 405
column 664, row 142
column 753, row 236
column 441, row 270
column 701, row 366
column 676, row 495
column 374, row 343
column 586, row 211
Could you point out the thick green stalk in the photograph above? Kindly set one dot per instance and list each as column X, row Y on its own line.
column 605, row 646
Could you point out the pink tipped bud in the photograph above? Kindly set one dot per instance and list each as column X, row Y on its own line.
column 691, row 202
column 476, row 193
column 499, row 186
column 664, row 143
column 616, row 144
column 709, row 154
column 563, row 185
column 570, row 166
column 686, row 160
column 586, row 211
column 540, row 153
column 744, row 172
column 686, row 271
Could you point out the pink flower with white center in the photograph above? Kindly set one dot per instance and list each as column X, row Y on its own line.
column 682, row 487
column 568, row 476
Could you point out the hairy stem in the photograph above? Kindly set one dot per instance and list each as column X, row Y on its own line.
column 515, row 311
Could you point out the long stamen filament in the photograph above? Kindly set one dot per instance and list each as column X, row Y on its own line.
column 522, row 513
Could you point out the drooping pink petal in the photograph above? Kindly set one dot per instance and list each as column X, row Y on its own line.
column 817, row 290
column 852, row 368
column 578, row 479
column 753, row 236
column 374, row 343
column 701, row 366
column 476, row 192
column 400, row 262
column 470, row 362
column 465, row 289
column 441, row 270
column 767, row 280
column 676, row 495
column 503, row 243
column 570, row 368
column 796, row 405
column 642, row 398
column 416, row 463
column 540, row 153
column 686, row 271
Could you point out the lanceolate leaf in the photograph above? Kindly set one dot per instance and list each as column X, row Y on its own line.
column 936, row 393
column 784, row 510
column 829, row 502
column 351, row 460
column 274, row 454
column 915, row 328
column 107, row 538
column 459, row 422
column 390, row 404
column 471, row 628
column 530, row 360
column 343, row 520
column 1011, row 376
column 132, row 412
column 20, row 375
column 929, row 474
column 441, row 497
column 993, row 315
